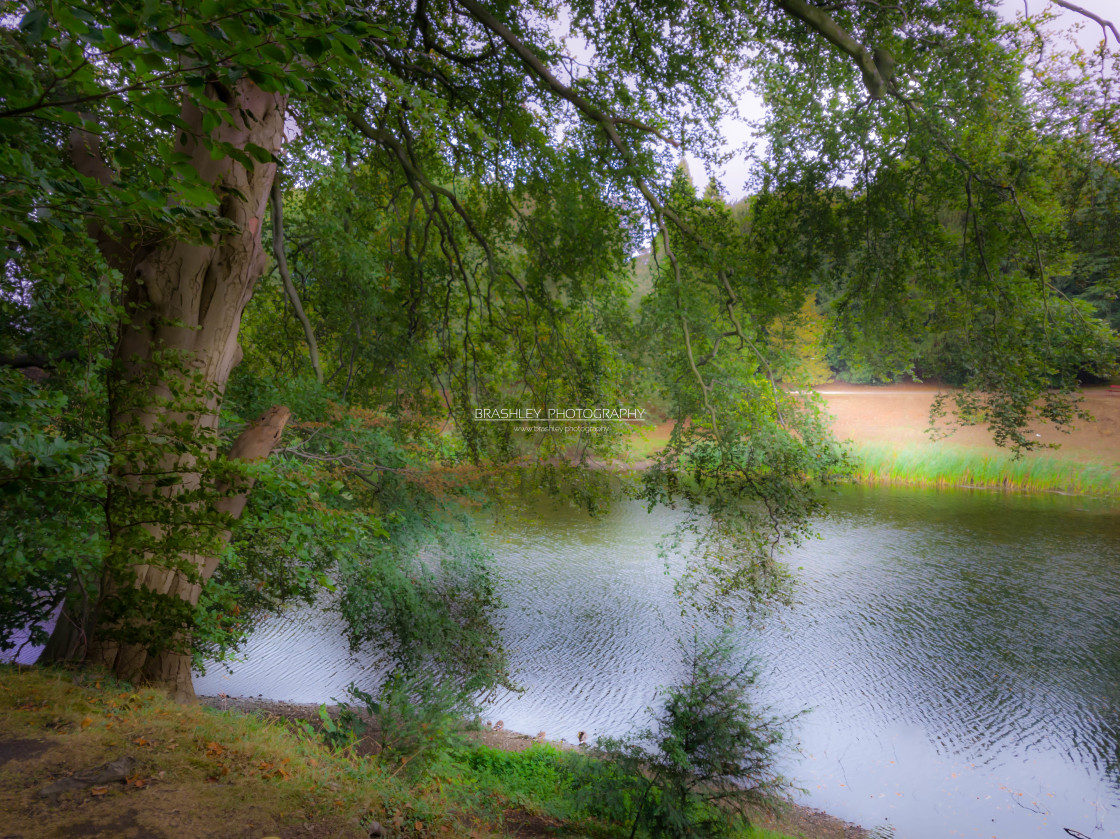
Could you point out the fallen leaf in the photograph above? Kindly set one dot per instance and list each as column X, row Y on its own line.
column 87, row 722
column 98, row 790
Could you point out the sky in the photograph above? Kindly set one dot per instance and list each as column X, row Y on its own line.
column 734, row 174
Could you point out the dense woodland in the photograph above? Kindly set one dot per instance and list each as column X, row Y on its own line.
column 262, row 262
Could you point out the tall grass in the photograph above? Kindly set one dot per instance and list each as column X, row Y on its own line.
column 956, row 466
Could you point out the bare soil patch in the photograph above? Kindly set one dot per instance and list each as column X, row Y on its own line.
column 899, row 414
column 20, row 749
column 181, row 784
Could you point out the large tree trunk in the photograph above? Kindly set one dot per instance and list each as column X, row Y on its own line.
column 171, row 665
column 68, row 641
column 177, row 347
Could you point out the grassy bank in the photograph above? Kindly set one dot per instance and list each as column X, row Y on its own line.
column 957, row 466
column 197, row 771
column 945, row 465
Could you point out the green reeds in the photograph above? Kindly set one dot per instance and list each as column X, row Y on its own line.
column 956, row 466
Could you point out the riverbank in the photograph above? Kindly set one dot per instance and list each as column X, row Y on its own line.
column 87, row 757
column 886, row 427
column 898, row 415
column 793, row 822
column 945, row 466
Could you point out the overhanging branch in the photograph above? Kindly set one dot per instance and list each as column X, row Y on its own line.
column 819, row 20
column 1105, row 25
column 277, row 200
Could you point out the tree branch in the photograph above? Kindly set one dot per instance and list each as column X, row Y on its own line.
column 608, row 123
column 20, row 362
column 277, row 198
column 649, row 129
column 255, row 443
column 835, row 34
column 1105, row 25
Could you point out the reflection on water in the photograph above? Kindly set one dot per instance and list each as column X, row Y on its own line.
column 960, row 652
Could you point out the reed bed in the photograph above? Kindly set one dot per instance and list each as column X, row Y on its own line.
column 957, row 466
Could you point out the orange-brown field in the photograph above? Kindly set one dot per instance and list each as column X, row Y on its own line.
column 899, row 415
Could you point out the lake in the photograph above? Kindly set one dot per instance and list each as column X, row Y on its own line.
column 958, row 652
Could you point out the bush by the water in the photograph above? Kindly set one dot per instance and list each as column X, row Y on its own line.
column 264, row 769
column 708, row 756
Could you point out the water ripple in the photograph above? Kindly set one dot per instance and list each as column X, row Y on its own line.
column 961, row 652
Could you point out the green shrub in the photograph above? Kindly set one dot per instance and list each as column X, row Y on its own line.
column 538, row 778
column 418, row 718
column 708, row 756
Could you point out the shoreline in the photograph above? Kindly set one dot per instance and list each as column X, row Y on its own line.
column 797, row 820
column 961, row 467
column 885, row 429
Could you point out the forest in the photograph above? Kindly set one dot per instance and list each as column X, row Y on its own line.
column 264, row 264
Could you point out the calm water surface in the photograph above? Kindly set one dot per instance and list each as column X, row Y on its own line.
column 959, row 652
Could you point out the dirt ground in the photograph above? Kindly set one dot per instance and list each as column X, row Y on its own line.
column 900, row 414
column 77, row 764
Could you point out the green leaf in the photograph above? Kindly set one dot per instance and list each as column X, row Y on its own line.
column 34, row 25
column 314, row 47
column 149, row 62
column 259, row 153
column 160, row 42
